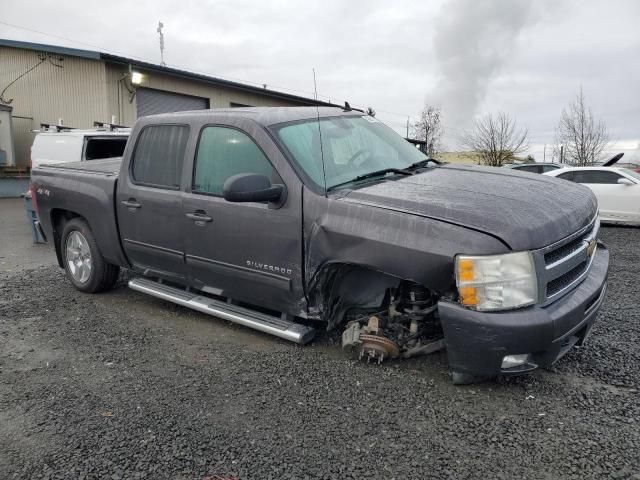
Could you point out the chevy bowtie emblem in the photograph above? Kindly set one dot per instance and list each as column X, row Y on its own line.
column 591, row 246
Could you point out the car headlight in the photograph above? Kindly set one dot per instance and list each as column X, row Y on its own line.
column 496, row 282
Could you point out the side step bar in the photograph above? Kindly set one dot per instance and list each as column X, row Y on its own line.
column 243, row 316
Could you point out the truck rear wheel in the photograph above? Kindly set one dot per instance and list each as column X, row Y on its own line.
column 83, row 262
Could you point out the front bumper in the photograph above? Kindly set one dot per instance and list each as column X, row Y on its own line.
column 477, row 342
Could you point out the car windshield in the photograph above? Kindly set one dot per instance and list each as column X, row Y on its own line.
column 634, row 174
column 351, row 147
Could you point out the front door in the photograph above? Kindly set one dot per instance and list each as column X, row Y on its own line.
column 246, row 251
column 617, row 202
column 149, row 202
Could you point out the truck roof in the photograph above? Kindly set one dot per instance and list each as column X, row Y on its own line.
column 263, row 115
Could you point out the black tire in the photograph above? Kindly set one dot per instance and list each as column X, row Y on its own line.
column 101, row 274
column 459, row 378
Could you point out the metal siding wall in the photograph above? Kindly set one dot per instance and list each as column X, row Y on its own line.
column 74, row 93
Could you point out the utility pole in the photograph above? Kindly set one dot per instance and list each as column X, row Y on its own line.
column 544, row 154
column 159, row 30
column 407, row 127
column 561, row 153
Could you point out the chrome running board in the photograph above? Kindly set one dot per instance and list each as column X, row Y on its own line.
column 243, row 316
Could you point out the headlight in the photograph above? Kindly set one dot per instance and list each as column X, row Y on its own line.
column 496, row 282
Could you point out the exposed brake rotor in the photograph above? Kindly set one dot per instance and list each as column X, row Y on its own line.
column 377, row 348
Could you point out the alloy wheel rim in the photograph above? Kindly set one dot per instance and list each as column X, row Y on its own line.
column 78, row 257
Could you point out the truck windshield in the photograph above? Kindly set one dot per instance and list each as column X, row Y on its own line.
column 351, row 147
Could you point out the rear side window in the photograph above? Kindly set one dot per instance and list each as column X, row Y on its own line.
column 159, row 155
column 566, row 176
column 106, row 147
column 595, row 176
column 222, row 153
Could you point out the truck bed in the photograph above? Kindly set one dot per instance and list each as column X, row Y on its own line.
column 86, row 189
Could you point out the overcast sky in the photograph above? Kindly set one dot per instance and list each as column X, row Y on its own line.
column 471, row 57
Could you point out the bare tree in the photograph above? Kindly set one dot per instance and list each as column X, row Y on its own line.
column 496, row 139
column 580, row 139
column 428, row 128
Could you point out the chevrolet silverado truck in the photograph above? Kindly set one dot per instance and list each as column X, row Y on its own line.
column 288, row 220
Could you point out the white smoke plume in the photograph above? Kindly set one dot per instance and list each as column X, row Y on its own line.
column 472, row 41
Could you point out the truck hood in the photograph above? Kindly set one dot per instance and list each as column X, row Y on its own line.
column 524, row 210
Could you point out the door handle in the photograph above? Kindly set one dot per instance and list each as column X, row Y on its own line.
column 131, row 203
column 199, row 216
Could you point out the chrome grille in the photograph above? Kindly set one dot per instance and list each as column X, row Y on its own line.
column 563, row 265
column 563, row 281
column 561, row 252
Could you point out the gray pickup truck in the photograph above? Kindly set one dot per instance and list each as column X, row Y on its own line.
column 288, row 219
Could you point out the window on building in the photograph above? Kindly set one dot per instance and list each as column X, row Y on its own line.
column 222, row 153
column 159, row 155
column 238, row 105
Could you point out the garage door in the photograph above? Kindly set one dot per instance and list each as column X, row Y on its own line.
column 150, row 102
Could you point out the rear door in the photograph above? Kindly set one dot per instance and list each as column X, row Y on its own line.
column 149, row 202
column 246, row 251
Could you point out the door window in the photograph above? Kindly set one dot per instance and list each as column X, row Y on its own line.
column 222, row 153
column 595, row 176
column 157, row 161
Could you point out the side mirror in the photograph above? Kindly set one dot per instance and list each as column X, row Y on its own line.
column 251, row 187
column 625, row 181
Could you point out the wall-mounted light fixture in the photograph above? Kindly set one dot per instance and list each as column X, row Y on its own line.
column 136, row 78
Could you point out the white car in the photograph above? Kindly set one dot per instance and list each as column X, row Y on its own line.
column 617, row 190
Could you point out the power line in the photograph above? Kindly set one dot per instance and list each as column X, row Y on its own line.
column 65, row 38
column 128, row 55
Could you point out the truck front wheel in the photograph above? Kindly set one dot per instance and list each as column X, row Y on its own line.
column 83, row 262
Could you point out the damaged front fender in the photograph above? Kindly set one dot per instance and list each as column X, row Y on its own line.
column 382, row 246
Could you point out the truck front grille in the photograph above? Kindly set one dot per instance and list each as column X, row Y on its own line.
column 561, row 252
column 565, row 280
column 563, row 265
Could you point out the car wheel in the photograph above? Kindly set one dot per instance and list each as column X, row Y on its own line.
column 83, row 262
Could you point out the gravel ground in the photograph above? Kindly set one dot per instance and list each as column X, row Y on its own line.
column 121, row 385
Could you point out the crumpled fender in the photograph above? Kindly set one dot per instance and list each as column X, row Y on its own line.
column 388, row 242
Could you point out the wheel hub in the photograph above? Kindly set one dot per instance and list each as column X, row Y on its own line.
column 377, row 348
